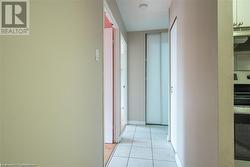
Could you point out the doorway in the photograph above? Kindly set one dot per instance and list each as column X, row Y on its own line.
column 109, row 54
column 115, row 83
column 157, row 78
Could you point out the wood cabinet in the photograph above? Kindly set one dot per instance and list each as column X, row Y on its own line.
column 241, row 13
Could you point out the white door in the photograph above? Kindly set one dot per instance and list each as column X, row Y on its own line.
column 173, row 89
column 157, row 75
column 124, row 84
column 108, row 85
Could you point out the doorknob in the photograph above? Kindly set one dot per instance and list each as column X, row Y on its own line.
column 124, row 86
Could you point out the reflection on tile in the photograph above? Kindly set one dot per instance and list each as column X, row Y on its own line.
column 141, row 152
column 142, row 143
column 159, row 130
column 130, row 128
column 118, row 162
column 164, row 164
column 140, row 163
column 143, row 129
column 163, row 144
column 159, row 136
column 142, row 135
column 164, row 154
column 122, row 151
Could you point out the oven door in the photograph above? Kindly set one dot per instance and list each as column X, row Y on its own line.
column 242, row 136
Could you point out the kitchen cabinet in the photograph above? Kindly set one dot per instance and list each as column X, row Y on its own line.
column 234, row 12
column 241, row 13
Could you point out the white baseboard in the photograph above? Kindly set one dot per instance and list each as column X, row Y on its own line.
column 136, row 123
column 178, row 162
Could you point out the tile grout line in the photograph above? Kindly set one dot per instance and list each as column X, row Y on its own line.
column 152, row 147
column 131, row 146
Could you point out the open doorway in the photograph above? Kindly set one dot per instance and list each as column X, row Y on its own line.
column 115, row 83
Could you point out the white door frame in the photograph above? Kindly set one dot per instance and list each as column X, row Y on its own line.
column 123, row 42
column 117, row 64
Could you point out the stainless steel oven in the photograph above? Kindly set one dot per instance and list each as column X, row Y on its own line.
column 242, row 115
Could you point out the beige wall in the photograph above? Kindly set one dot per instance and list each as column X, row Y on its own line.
column 52, row 87
column 1, row 95
column 136, row 76
column 225, row 67
column 205, row 82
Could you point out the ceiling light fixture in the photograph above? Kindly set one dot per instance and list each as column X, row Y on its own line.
column 143, row 6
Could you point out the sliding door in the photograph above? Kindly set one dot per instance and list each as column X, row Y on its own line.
column 157, row 79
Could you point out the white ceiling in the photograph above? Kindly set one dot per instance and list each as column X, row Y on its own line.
column 155, row 16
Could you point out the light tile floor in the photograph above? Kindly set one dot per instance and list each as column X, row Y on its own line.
column 143, row 146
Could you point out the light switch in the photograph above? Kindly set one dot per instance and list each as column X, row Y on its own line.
column 97, row 55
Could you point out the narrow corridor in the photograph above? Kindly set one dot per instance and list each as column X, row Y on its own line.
column 144, row 146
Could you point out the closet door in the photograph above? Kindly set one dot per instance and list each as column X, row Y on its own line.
column 153, row 79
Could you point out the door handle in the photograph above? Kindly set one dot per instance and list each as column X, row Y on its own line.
column 124, row 86
column 172, row 89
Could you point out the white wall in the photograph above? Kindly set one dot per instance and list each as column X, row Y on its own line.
column 225, row 84
column 52, row 87
column 205, row 77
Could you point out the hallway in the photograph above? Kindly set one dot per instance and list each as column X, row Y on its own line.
column 144, row 146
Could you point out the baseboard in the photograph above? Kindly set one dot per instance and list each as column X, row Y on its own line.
column 178, row 162
column 136, row 123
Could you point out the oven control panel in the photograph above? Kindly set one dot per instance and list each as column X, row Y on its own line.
column 242, row 109
column 242, row 77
